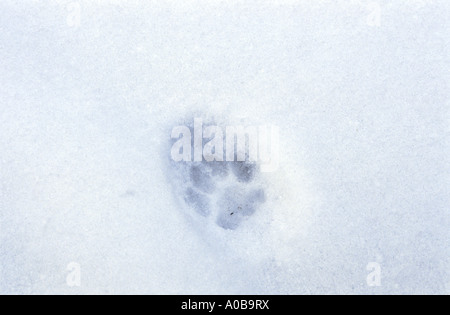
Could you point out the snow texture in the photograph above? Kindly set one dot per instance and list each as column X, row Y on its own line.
column 91, row 203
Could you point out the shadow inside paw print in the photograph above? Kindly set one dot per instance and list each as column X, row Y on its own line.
column 198, row 201
column 201, row 178
column 244, row 171
column 236, row 204
column 226, row 189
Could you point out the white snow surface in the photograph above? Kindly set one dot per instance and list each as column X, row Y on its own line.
column 88, row 102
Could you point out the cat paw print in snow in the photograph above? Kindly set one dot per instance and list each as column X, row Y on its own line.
column 225, row 192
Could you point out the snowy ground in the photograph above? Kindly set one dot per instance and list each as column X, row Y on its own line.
column 90, row 91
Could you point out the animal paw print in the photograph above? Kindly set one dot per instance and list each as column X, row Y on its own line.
column 227, row 191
